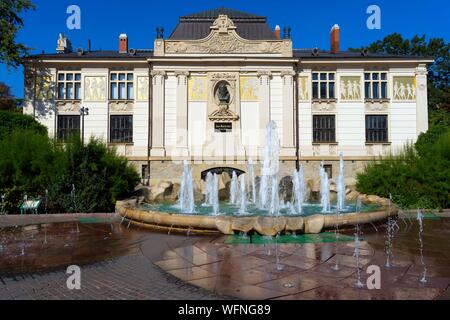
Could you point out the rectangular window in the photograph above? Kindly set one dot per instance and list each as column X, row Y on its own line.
column 323, row 86
column 121, row 129
column 69, row 86
column 122, row 86
column 376, row 128
column 324, row 129
column 375, row 85
column 67, row 127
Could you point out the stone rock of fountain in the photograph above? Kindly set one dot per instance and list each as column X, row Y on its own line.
column 243, row 224
column 225, row 225
column 286, row 188
column 352, row 196
column 270, row 226
column 314, row 224
column 225, row 178
column 295, row 224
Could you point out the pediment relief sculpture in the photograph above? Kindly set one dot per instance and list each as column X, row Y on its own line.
column 224, row 39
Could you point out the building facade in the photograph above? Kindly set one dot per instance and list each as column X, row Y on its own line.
column 207, row 92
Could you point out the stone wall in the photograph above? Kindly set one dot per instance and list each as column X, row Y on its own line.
column 166, row 177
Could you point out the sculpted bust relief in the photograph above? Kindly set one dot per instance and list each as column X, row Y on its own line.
column 223, row 94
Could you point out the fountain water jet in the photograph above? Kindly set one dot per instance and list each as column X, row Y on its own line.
column 215, row 195
column 420, row 220
column 251, row 179
column 324, row 190
column 341, row 184
column 299, row 192
column 268, row 191
column 243, row 195
column 186, row 200
column 209, row 189
column 234, row 189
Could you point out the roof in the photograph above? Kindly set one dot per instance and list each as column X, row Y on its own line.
column 307, row 54
column 197, row 26
column 99, row 54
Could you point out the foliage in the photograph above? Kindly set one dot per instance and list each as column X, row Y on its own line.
column 10, row 24
column 439, row 71
column 10, row 121
column 7, row 101
column 418, row 177
column 31, row 164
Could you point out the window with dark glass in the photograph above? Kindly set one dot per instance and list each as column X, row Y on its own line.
column 376, row 128
column 375, row 85
column 69, row 86
column 67, row 127
column 122, row 86
column 121, row 129
column 323, row 85
column 324, row 128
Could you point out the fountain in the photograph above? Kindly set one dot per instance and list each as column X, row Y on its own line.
column 186, row 196
column 252, row 179
column 422, row 261
column 257, row 207
column 243, row 196
column 324, row 190
column 341, row 184
column 234, row 189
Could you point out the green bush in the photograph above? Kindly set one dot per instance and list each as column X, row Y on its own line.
column 418, row 177
column 30, row 163
column 10, row 121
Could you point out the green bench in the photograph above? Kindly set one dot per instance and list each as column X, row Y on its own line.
column 30, row 206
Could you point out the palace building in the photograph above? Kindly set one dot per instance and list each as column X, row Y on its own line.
column 207, row 92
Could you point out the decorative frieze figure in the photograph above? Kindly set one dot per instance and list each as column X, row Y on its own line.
column 404, row 88
column 197, row 89
column 249, row 89
column 303, row 88
column 350, row 87
column 94, row 88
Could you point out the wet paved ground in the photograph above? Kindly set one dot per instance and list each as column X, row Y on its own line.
column 305, row 271
column 118, row 263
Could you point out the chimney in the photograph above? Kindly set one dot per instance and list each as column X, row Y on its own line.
column 278, row 32
column 335, row 39
column 123, row 43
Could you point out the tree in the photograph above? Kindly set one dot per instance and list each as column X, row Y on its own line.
column 7, row 101
column 10, row 23
column 439, row 71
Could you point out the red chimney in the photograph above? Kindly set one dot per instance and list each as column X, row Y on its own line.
column 335, row 39
column 278, row 32
column 123, row 43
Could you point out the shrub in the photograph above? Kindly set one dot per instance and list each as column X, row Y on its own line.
column 31, row 163
column 10, row 121
column 418, row 177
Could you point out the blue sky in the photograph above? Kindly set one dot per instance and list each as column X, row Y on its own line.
column 102, row 21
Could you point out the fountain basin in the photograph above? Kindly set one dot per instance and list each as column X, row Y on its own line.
column 131, row 211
